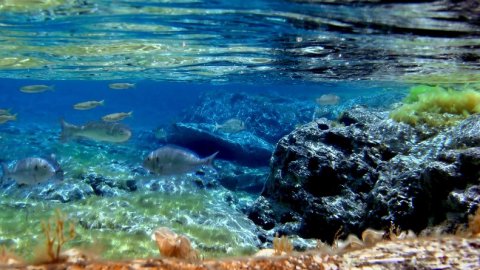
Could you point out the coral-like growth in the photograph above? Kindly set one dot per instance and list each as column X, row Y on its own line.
column 282, row 245
column 7, row 257
column 474, row 223
column 437, row 106
column 55, row 237
column 174, row 245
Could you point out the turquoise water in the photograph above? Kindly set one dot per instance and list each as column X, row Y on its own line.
column 182, row 56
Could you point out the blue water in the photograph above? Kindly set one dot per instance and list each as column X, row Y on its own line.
column 177, row 52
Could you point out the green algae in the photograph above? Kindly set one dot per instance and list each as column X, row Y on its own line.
column 122, row 227
column 437, row 106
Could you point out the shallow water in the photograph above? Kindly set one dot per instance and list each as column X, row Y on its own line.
column 280, row 54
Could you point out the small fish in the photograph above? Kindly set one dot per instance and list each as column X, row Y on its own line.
column 173, row 160
column 31, row 171
column 115, row 117
column 231, row 126
column 160, row 134
column 7, row 117
column 120, row 86
column 97, row 131
column 37, row 88
column 328, row 99
column 88, row 105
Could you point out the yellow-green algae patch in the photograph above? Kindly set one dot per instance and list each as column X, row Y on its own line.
column 437, row 106
column 121, row 227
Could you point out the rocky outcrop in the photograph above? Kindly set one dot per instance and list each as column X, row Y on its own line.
column 369, row 171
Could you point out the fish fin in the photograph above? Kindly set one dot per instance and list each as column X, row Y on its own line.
column 5, row 172
column 208, row 161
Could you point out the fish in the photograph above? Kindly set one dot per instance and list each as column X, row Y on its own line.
column 32, row 170
column 96, row 131
column 88, row 105
column 175, row 160
column 230, row 126
column 115, row 117
column 120, row 86
column 5, row 112
column 328, row 99
column 36, row 88
column 7, row 117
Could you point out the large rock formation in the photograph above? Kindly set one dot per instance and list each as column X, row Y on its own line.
column 369, row 171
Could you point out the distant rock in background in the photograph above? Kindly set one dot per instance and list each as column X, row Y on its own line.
column 369, row 171
column 268, row 117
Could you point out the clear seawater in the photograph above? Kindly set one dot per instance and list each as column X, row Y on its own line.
column 175, row 51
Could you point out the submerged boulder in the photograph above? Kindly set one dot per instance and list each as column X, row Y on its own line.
column 242, row 147
column 268, row 117
column 369, row 171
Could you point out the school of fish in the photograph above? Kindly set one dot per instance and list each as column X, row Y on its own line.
column 166, row 160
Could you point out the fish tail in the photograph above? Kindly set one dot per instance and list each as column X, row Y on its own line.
column 5, row 171
column 68, row 131
column 216, row 127
column 14, row 117
column 51, row 87
column 130, row 114
column 102, row 102
column 208, row 161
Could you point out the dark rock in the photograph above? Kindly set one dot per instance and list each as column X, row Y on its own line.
column 243, row 147
column 241, row 178
column 131, row 185
column 465, row 200
column 370, row 172
column 262, row 214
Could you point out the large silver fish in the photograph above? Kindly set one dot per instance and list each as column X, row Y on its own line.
column 97, row 131
column 171, row 160
column 33, row 170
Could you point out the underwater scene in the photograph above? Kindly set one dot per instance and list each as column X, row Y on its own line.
column 234, row 127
